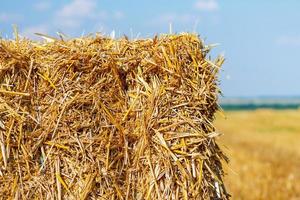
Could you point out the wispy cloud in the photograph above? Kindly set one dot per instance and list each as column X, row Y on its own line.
column 207, row 5
column 118, row 15
column 30, row 31
column 185, row 18
column 42, row 6
column 10, row 17
column 78, row 8
column 72, row 15
column 288, row 41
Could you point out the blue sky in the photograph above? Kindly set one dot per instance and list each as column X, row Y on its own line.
column 260, row 39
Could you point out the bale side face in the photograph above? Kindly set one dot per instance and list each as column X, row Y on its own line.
column 109, row 119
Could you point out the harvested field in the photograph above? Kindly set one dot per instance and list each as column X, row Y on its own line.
column 265, row 156
column 103, row 118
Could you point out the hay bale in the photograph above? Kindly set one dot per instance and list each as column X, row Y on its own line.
column 100, row 118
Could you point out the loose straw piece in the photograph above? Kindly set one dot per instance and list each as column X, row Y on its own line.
column 14, row 93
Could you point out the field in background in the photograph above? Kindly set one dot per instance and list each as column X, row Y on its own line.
column 264, row 148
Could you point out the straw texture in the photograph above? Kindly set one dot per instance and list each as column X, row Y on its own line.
column 102, row 118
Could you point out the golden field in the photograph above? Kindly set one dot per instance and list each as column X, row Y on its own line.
column 264, row 151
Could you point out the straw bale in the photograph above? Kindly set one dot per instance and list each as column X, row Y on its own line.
column 102, row 118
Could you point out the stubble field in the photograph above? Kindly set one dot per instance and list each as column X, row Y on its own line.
column 264, row 148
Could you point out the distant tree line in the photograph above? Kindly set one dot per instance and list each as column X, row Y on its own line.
column 259, row 106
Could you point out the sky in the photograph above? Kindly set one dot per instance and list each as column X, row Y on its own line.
column 260, row 39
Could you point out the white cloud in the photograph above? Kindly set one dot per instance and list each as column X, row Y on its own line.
column 207, row 5
column 10, row 18
column 288, row 41
column 42, row 6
